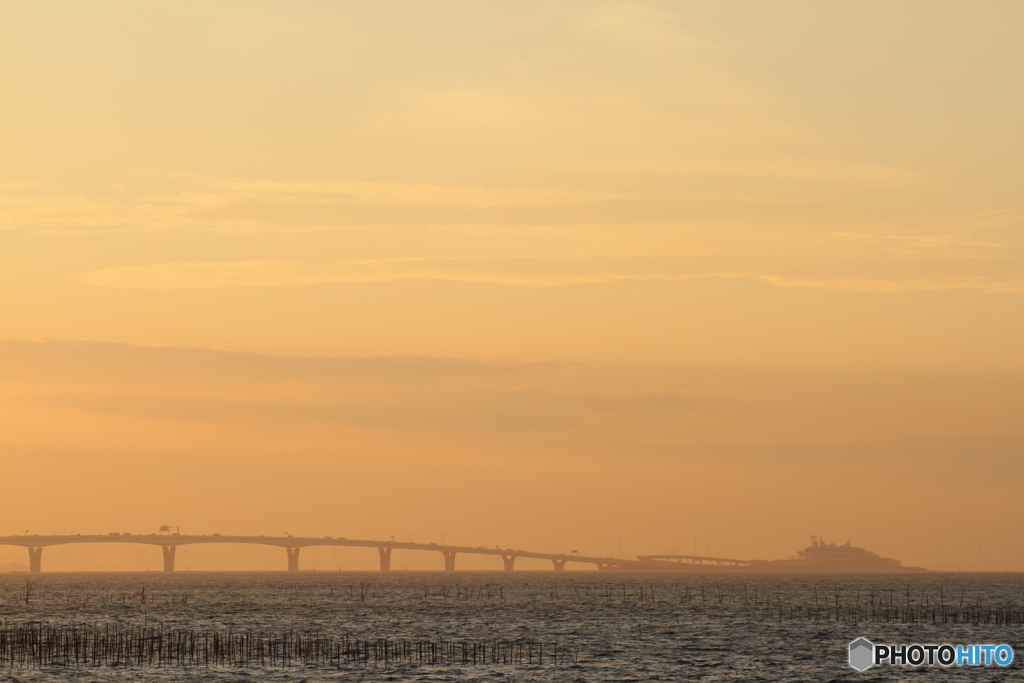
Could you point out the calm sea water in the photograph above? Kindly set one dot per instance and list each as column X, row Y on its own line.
column 628, row 627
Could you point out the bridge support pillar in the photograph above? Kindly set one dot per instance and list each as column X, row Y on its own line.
column 509, row 561
column 293, row 559
column 35, row 560
column 449, row 560
column 559, row 565
column 169, row 557
column 385, row 559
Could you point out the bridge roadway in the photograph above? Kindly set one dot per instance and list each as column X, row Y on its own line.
column 292, row 546
column 694, row 559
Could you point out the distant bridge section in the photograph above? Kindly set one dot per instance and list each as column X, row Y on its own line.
column 693, row 560
column 169, row 543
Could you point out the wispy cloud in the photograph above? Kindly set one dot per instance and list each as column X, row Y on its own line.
column 225, row 204
column 238, row 205
column 528, row 272
column 922, row 240
column 524, row 272
column 641, row 27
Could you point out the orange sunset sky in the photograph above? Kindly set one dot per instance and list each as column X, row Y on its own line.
column 616, row 277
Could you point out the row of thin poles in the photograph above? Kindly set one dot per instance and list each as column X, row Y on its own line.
column 41, row 644
column 578, row 592
column 935, row 614
column 884, row 606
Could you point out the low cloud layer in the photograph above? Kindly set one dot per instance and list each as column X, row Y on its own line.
column 255, row 441
column 632, row 407
column 536, row 272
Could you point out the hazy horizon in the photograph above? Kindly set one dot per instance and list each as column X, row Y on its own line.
column 617, row 277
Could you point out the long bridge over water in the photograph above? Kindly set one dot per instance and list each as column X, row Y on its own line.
column 169, row 544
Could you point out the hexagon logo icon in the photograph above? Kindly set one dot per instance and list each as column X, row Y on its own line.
column 862, row 654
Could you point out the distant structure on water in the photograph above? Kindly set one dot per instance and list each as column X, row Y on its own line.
column 817, row 557
column 830, row 557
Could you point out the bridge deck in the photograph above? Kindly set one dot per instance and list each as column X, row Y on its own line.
column 294, row 543
column 692, row 558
